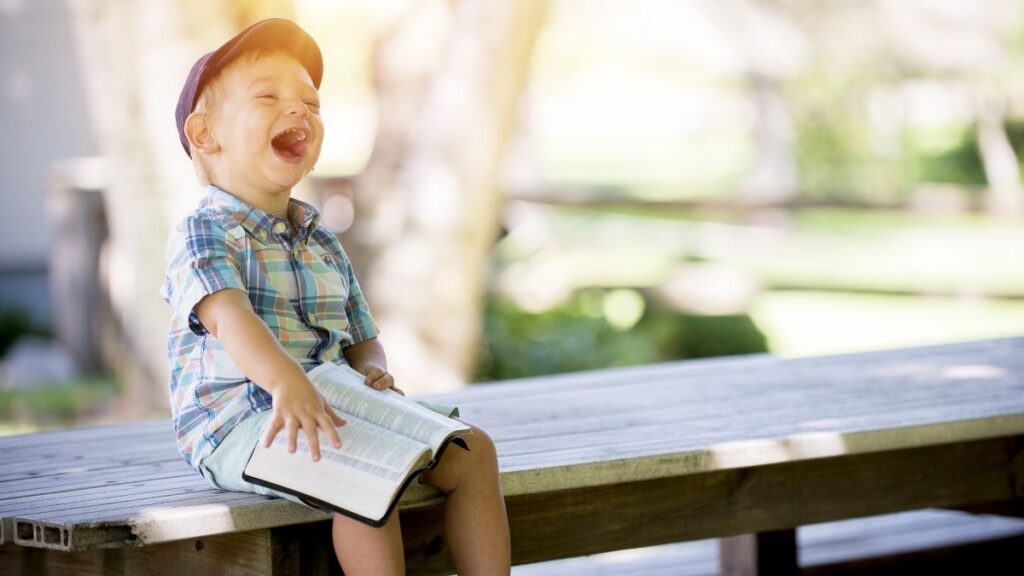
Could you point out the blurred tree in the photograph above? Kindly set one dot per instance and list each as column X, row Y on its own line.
column 978, row 62
column 864, row 82
column 134, row 57
column 771, row 49
column 448, row 77
column 1002, row 168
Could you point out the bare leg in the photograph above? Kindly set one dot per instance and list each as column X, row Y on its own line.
column 363, row 549
column 476, row 525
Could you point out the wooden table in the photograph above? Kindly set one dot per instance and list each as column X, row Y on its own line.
column 742, row 448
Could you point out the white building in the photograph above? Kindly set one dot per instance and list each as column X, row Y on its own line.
column 43, row 120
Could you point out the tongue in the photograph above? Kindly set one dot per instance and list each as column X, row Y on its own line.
column 297, row 149
column 290, row 145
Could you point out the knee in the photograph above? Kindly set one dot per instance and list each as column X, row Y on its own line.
column 458, row 465
column 481, row 449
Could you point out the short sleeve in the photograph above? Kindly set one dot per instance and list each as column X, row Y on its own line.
column 198, row 264
column 360, row 323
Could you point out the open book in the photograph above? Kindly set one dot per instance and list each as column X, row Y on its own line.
column 388, row 441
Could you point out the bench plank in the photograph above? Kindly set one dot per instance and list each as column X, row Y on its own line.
column 830, row 548
column 246, row 553
column 581, row 521
column 589, row 434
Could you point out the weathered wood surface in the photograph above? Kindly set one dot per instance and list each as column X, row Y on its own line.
column 910, row 541
column 590, row 519
column 921, row 542
column 247, row 553
column 622, row 457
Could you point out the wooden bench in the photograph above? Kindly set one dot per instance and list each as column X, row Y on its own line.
column 745, row 449
column 931, row 541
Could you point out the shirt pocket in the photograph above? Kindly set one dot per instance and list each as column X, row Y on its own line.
column 331, row 289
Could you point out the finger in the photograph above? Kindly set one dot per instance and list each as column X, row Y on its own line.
column 385, row 381
column 275, row 426
column 327, row 424
column 293, row 434
column 309, row 428
column 373, row 373
column 337, row 420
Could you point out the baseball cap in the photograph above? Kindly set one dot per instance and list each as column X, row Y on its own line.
column 272, row 33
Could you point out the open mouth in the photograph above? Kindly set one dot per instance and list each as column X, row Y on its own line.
column 290, row 145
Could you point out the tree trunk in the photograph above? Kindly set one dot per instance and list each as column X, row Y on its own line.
column 1005, row 195
column 449, row 82
column 771, row 47
column 134, row 57
column 773, row 176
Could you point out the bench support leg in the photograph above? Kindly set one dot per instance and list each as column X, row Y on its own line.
column 759, row 554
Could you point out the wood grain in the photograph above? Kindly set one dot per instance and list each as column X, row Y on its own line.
column 598, row 460
column 724, row 503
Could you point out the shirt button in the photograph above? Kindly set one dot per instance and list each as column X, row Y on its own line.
column 263, row 234
column 279, row 227
column 312, row 318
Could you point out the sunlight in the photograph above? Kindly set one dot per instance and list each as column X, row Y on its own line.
column 757, row 452
column 710, row 289
column 623, row 308
column 163, row 523
column 743, row 453
column 973, row 372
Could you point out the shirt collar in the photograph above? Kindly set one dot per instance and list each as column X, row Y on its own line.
column 261, row 224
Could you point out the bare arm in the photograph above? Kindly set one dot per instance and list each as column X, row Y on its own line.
column 367, row 357
column 229, row 317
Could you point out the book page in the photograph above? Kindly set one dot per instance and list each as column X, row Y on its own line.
column 362, row 476
column 343, row 388
column 366, row 448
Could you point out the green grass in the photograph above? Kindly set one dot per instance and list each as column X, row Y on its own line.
column 883, row 251
column 969, row 254
column 9, row 429
column 833, row 280
column 56, row 405
column 815, row 323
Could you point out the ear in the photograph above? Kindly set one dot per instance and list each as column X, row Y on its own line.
column 199, row 134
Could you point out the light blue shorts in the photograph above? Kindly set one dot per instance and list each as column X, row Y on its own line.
column 223, row 468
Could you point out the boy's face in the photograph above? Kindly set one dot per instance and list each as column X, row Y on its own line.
column 266, row 122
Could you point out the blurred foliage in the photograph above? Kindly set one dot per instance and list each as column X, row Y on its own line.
column 681, row 336
column 46, row 404
column 832, row 147
column 569, row 338
column 14, row 324
column 834, row 164
column 958, row 162
column 57, row 404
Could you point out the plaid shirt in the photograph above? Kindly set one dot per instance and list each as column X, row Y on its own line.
column 302, row 286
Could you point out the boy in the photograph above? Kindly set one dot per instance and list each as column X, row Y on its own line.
column 260, row 293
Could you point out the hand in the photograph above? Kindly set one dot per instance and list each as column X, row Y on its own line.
column 379, row 378
column 298, row 405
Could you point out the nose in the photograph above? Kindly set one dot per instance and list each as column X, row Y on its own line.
column 296, row 107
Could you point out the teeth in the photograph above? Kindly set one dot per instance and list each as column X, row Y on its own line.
column 301, row 134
